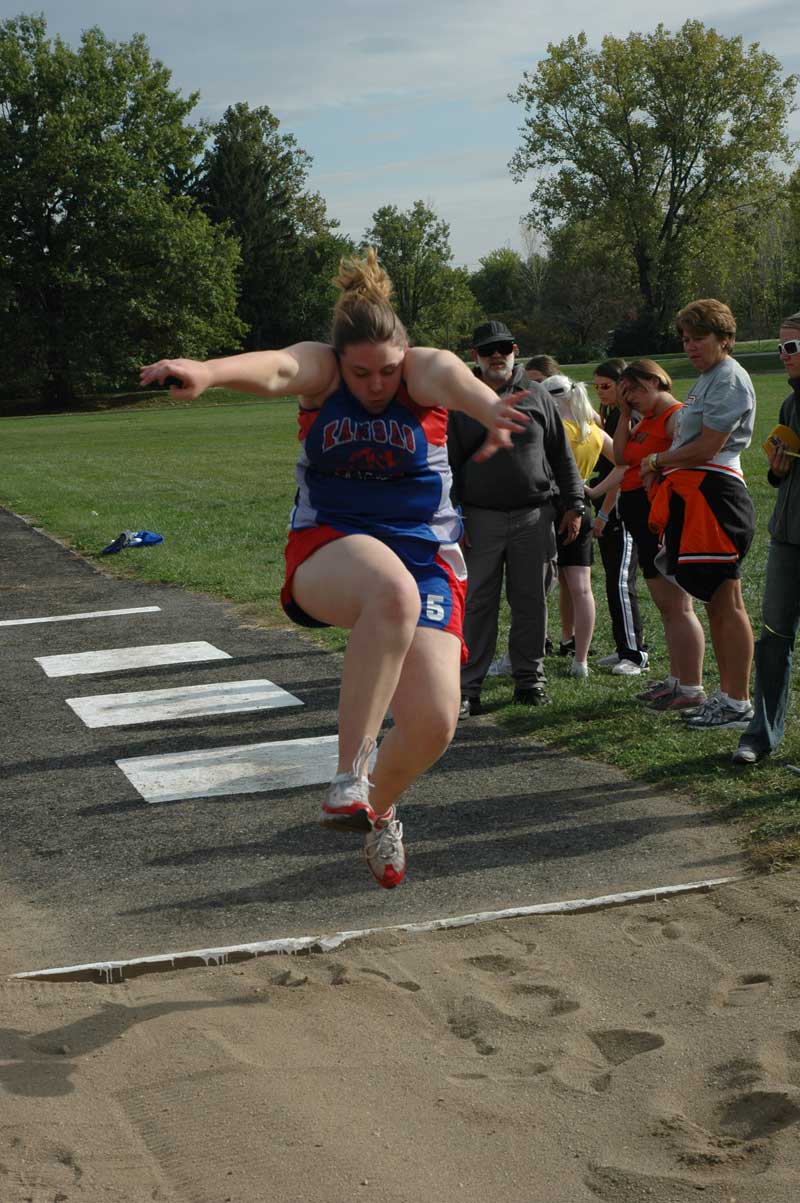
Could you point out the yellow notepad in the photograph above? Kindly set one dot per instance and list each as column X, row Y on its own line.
column 783, row 434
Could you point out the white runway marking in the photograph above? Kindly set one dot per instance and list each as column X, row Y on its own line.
column 247, row 769
column 20, row 622
column 118, row 659
column 190, row 701
column 111, row 971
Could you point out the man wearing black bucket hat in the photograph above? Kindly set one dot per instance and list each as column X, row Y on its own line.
column 509, row 511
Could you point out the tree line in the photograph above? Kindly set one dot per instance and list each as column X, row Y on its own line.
column 659, row 165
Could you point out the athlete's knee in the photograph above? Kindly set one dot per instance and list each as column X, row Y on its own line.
column 431, row 727
column 395, row 600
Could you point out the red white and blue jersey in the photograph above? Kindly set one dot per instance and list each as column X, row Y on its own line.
column 384, row 475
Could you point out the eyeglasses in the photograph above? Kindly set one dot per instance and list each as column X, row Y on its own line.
column 495, row 348
column 602, row 388
column 789, row 348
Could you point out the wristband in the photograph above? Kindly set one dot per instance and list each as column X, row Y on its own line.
column 652, row 461
column 603, row 517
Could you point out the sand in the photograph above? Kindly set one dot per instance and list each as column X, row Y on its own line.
column 645, row 1054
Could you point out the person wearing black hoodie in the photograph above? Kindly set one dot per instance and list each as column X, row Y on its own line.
column 781, row 605
column 510, row 505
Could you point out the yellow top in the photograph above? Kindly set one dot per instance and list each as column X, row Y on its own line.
column 586, row 453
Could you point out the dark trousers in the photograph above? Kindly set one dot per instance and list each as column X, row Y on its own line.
column 775, row 647
column 520, row 545
column 620, row 564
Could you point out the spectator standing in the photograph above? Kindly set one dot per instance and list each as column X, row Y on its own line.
column 617, row 548
column 781, row 605
column 509, row 512
column 647, row 391
column 702, row 509
column 576, row 600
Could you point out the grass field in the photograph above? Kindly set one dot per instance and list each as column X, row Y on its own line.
column 216, row 479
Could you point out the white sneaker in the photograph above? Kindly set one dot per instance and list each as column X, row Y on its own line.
column 500, row 667
column 383, row 848
column 608, row 661
column 628, row 668
column 579, row 669
column 347, row 804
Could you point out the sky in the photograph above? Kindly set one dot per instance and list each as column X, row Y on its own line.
column 396, row 101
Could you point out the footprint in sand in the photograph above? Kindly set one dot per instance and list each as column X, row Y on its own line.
column 653, row 931
column 619, row 1045
column 744, row 991
column 582, row 1070
column 412, row 987
column 791, row 1042
column 737, row 1074
column 698, row 1148
column 759, row 1113
column 548, row 999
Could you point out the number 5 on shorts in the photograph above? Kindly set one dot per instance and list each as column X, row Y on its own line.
column 434, row 610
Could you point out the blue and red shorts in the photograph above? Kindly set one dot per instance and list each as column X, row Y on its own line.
column 438, row 569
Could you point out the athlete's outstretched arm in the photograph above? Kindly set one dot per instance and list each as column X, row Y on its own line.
column 440, row 378
column 304, row 370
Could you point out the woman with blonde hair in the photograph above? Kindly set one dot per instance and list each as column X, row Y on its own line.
column 373, row 539
column 576, row 601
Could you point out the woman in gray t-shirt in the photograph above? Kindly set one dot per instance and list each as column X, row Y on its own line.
column 703, row 508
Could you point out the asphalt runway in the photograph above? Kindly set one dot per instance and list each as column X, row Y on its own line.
column 105, row 874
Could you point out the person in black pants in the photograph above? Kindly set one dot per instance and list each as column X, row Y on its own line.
column 617, row 548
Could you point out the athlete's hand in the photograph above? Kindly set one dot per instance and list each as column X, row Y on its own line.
column 506, row 420
column 599, row 527
column 194, row 376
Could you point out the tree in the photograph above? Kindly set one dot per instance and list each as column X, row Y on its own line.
column 414, row 248
column 100, row 267
column 253, row 177
column 499, row 284
column 654, row 137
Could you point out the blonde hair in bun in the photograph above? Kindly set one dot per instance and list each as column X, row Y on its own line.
column 364, row 312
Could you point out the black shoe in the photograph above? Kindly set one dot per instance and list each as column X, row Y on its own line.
column 535, row 696
column 567, row 647
column 470, row 707
column 549, row 650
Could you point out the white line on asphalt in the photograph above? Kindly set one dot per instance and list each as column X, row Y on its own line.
column 115, row 971
column 118, row 659
column 244, row 769
column 20, row 622
column 190, row 701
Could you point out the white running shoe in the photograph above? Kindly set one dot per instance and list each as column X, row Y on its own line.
column 608, row 661
column 383, row 848
column 579, row 669
column 347, row 804
column 500, row 667
column 628, row 668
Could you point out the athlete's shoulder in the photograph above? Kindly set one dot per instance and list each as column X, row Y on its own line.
column 318, row 373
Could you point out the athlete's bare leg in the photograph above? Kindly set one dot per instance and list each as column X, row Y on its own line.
column 683, row 630
column 358, row 583
column 579, row 583
column 732, row 637
column 424, row 712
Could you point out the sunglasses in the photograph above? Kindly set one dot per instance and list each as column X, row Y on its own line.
column 496, row 348
column 789, row 348
column 603, row 388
